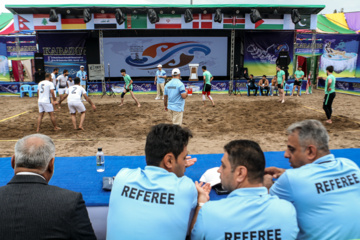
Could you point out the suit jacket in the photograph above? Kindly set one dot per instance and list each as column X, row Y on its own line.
column 31, row 209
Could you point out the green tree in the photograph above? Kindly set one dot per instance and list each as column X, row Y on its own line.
column 44, row 22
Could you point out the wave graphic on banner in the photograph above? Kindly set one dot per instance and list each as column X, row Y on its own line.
column 267, row 55
column 150, row 56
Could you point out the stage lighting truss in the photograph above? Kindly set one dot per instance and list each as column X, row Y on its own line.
column 87, row 15
column 53, row 16
column 119, row 16
column 295, row 16
column 153, row 16
column 255, row 15
column 188, row 16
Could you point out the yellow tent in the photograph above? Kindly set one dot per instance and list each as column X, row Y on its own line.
column 338, row 19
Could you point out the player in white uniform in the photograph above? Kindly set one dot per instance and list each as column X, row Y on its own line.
column 62, row 82
column 74, row 94
column 45, row 92
column 54, row 80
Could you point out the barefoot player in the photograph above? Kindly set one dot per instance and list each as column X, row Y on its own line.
column 281, row 82
column 74, row 94
column 330, row 94
column 128, row 87
column 207, row 85
column 63, row 83
column 299, row 76
column 45, row 92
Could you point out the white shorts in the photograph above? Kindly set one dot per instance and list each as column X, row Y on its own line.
column 76, row 106
column 45, row 107
column 62, row 91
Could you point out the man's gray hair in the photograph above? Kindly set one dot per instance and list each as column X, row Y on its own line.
column 34, row 156
column 311, row 132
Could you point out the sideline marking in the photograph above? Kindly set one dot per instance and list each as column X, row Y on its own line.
column 331, row 115
column 3, row 120
column 80, row 140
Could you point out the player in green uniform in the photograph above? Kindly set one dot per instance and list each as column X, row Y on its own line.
column 299, row 76
column 281, row 82
column 330, row 94
column 207, row 85
column 128, row 87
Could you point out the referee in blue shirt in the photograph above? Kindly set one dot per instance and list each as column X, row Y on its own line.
column 174, row 99
column 324, row 190
column 249, row 212
column 155, row 202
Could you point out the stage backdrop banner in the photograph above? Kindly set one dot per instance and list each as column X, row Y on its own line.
column 262, row 50
column 26, row 47
column 340, row 51
column 140, row 56
column 303, row 45
column 4, row 67
column 63, row 50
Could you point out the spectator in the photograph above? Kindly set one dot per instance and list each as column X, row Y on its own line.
column 249, row 212
column 324, row 190
column 264, row 84
column 273, row 85
column 30, row 208
column 155, row 203
column 251, row 84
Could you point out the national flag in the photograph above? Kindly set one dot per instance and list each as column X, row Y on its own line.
column 169, row 21
column 72, row 22
column 270, row 24
column 203, row 21
column 137, row 21
column 23, row 23
column 105, row 21
column 304, row 23
column 42, row 22
column 233, row 21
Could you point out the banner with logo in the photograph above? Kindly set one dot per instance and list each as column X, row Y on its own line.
column 146, row 87
column 341, row 52
column 263, row 48
column 140, row 56
column 4, row 68
column 21, row 50
column 63, row 51
column 304, row 45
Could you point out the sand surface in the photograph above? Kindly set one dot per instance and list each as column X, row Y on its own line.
column 122, row 130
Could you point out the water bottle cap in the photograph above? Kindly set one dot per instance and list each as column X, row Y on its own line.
column 100, row 149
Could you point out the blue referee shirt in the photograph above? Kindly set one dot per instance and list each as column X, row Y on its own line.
column 150, row 204
column 173, row 90
column 82, row 75
column 247, row 213
column 160, row 73
column 326, row 195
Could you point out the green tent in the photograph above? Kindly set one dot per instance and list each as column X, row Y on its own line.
column 5, row 19
column 326, row 26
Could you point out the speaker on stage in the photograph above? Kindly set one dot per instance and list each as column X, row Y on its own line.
column 39, row 62
column 39, row 67
column 39, row 76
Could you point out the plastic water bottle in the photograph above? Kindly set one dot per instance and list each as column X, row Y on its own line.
column 100, row 161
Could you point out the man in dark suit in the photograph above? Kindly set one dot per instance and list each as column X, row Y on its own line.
column 30, row 208
column 251, row 84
